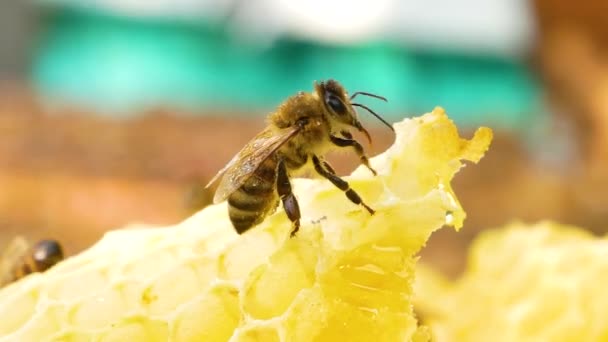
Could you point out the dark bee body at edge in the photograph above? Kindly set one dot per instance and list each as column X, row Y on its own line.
column 258, row 197
column 41, row 257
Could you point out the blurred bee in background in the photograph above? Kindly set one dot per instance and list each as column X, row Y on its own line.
column 299, row 133
column 20, row 258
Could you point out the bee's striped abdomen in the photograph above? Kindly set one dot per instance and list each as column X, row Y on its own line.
column 255, row 199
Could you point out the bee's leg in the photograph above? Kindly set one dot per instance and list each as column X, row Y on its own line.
column 346, row 134
column 323, row 168
column 341, row 142
column 327, row 166
column 290, row 203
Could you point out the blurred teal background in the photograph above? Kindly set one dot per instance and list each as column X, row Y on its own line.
column 123, row 65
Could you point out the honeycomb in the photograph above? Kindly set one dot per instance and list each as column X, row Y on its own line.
column 347, row 275
column 540, row 282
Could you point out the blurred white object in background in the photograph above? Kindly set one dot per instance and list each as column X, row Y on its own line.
column 336, row 22
column 503, row 27
column 496, row 26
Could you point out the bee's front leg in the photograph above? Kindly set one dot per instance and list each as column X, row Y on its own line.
column 290, row 203
column 325, row 170
column 341, row 142
column 346, row 134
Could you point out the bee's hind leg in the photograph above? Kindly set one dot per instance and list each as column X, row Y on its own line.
column 290, row 203
column 325, row 170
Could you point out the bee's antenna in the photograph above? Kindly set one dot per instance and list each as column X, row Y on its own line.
column 374, row 114
column 368, row 94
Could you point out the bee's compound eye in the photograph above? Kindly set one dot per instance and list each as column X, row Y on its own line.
column 335, row 104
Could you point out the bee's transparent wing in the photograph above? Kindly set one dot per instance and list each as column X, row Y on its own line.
column 12, row 255
column 244, row 164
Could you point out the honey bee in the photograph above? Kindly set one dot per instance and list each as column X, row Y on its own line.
column 299, row 133
column 20, row 258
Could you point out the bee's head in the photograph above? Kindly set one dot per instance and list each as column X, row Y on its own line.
column 340, row 107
